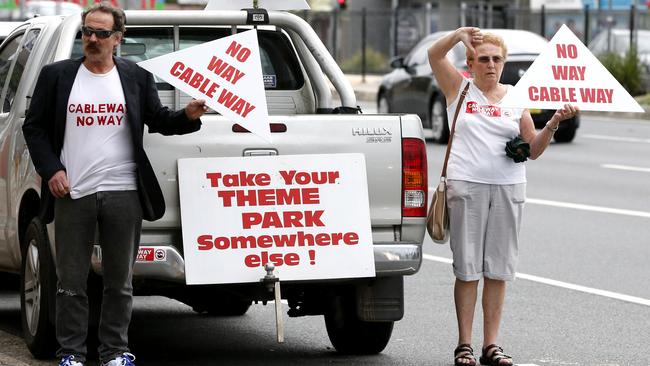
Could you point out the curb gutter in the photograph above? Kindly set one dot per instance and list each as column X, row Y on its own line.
column 14, row 346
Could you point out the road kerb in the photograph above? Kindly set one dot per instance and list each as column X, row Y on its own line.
column 14, row 353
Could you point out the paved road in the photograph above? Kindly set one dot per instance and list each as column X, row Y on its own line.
column 583, row 298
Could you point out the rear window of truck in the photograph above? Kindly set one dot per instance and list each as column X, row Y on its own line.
column 280, row 66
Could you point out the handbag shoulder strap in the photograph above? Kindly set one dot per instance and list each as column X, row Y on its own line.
column 453, row 129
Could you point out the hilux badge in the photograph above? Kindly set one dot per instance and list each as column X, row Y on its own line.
column 371, row 131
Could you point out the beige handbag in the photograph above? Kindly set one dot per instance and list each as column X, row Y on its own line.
column 437, row 217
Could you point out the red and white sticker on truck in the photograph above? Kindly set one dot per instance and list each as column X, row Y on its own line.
column 149, row 254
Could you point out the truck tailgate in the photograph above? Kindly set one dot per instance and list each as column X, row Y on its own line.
column 378, row 137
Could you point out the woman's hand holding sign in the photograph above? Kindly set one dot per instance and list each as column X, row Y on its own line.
column 562, row 114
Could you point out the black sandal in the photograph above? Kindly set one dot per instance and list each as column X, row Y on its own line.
column 464, row 352
column 494, row 358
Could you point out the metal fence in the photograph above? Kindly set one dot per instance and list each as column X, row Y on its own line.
column 365, row 41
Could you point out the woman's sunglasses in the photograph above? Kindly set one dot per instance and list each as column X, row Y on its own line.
column 100, row 33
column 486, row 59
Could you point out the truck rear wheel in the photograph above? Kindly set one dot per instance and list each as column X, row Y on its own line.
column 37, row 292
column 349, row 335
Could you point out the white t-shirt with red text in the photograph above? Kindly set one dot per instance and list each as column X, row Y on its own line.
column 482, row 131
column 97, row 146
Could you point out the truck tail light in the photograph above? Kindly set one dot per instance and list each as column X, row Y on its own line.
column 414, row 178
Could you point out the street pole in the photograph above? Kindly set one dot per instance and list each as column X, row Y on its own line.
column 632, row 14
column 363, row 45
column 586, row 32
column 395, row 32
column 543, row 21
column 335, row 33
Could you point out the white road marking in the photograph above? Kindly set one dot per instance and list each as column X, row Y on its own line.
column 615, row 138
column 578, row 206
column 566, row 285
column 626, row 167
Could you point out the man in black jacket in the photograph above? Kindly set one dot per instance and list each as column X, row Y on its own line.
column 84, row 131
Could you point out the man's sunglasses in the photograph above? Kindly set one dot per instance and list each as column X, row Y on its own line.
column 486, row 59
column 100, row 33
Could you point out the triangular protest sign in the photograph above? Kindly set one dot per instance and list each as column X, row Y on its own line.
column 263, row 4
column 567, row 72
column 226, row 73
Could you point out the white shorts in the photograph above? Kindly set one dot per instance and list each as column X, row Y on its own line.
column 484, row 223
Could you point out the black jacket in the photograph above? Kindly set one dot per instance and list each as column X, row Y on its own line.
column 45, row 122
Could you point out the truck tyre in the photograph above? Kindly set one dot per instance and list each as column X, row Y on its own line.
column 224, row 307
column 37, row 292
column 352, row 336
column 438, row 120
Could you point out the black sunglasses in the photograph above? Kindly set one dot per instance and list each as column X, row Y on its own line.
column 486, row 59
column 100, row 33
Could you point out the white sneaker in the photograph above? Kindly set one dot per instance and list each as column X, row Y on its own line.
column 69, row 361
column 126, row 359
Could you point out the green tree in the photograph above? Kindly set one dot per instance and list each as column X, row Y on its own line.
column 626, row 69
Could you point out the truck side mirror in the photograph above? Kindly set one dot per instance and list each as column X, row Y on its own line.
column 397, row 62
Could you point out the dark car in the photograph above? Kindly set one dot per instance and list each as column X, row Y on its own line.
column 411, row 87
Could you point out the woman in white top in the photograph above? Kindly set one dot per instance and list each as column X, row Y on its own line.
column 486, row 189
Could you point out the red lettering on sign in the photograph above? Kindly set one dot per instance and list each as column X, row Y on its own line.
column 566, row 50
column 235, row 50
column 596, row 95
column 300, row 239
column 552, row 94
column 235, row 103
column 195, row 80
column 561, row 72
column 270, row 197
column 293, row 177
column 278, row 259
column 284, row 219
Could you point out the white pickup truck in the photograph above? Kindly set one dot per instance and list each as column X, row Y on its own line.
column 359, row 313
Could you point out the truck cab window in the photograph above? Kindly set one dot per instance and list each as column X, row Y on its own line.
column 7, row 56
column 279, row 62
column 22, row 56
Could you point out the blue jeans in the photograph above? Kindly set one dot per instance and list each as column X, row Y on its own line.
column 117, row 216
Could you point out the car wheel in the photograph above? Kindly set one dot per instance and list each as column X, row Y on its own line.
column 382, row 105
column 566, row 134
column 349, row 335
column 439, row 129
column 224, row 307
column 37, row 292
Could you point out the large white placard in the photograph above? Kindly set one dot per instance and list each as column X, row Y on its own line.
column 307, row 214
column 226, row 73
column 567, row 72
